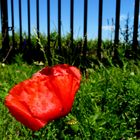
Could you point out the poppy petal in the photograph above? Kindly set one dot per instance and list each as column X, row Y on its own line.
column 46, row 96
column 22, row 114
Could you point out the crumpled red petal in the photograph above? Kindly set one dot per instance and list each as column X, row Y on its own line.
column 47, row 96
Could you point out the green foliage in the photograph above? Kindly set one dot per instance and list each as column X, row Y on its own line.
column 106, row 106
column 37, row 50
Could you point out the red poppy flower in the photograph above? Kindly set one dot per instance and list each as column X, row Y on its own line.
column 46, row 96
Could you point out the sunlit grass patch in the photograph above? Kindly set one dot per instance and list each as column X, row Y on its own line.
column 106, row 106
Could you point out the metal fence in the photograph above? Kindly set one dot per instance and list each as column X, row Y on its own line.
column 5, row 28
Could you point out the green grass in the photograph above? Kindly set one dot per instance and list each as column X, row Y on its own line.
column 107, row 106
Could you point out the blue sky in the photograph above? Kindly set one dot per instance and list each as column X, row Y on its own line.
column 127, row 6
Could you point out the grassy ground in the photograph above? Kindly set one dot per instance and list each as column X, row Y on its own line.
column 107, row 106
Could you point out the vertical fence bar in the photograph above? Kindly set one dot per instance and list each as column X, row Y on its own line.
column 136, row 20
column 117, row 24
column 37, row 16
column 85, row 27
column 100, row 29
column 12, row 18
column 48, row 22
column 0, row 10
column 20, row 23
column 59, row 25
column 71, row 22
column 4, row 23
column 48, row 33
column 29, row 27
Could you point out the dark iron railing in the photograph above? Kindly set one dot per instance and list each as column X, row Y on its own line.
column 85, row 27
column 135, row 32
column 37, row 17
column 48, row 33
column 29, row 26
column 100, row 29
column 4, row 19
column 20, row 22
column 71, row 21
column 4, row 23
column 117, row 26
column 12, row 18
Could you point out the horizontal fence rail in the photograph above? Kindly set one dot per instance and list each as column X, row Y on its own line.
column 5, row 28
